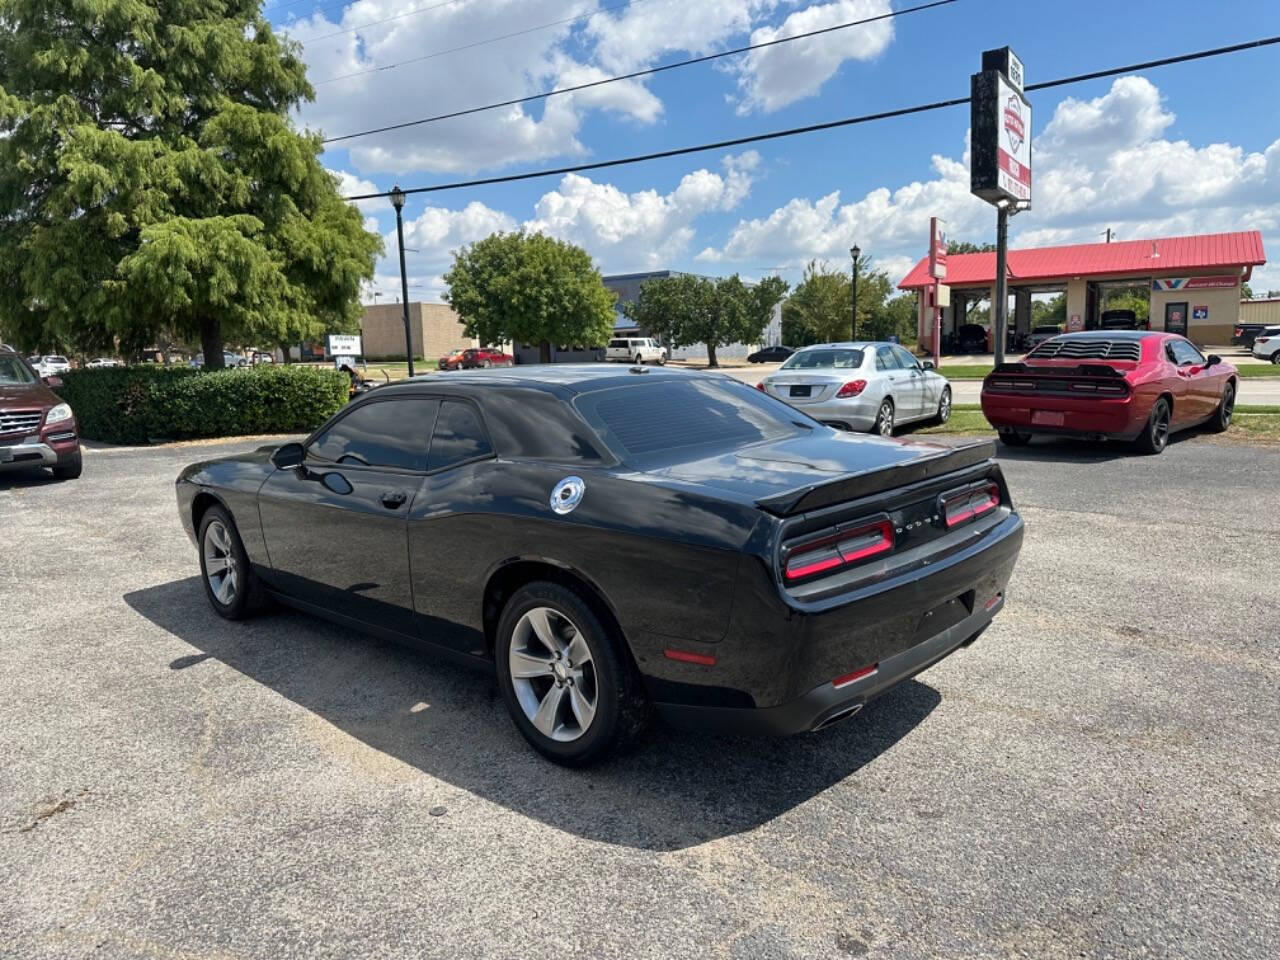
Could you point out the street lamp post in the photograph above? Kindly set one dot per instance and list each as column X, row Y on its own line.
column 397, row 201
column 853, row 324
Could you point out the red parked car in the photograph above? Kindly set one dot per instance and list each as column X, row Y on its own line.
column 1130, row 385
column 36, row 428
column 451, row 360
column 485, row 357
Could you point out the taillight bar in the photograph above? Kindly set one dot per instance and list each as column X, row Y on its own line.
column 961, row 506
column 840, row 549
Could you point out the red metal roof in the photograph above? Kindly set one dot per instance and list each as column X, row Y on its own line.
column 1176, row 254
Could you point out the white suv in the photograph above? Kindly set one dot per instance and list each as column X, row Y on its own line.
column 1267, row 344
column 637, row 349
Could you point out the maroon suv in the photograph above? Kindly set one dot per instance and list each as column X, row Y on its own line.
column 36, row 428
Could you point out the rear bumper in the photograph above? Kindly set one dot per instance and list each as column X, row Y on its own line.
column 827, row 703
column 852, row 414
column 782, row 671
column 1121, row 418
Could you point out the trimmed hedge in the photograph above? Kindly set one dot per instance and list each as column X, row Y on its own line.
column 144, row 403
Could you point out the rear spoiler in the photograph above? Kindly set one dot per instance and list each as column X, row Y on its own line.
column 855, row 485
column 1080, row 370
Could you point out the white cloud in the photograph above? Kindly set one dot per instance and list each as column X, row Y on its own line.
column 1099, row 163
column 776, row 76
column 641, row 33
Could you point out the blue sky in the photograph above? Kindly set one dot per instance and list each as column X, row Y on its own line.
column 1190, row 148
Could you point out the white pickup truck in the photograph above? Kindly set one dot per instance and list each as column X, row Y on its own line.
column 637, row 350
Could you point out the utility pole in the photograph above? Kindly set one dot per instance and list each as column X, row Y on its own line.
column 397, row 201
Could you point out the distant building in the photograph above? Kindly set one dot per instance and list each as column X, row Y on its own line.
column 434, row 328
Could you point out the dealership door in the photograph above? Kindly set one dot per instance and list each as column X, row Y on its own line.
column 1175, row 317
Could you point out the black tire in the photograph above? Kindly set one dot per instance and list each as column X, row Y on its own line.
column 944, row 407
column 1013, row 438
column 1275, row 357
column 620, row 705
column 1221, row 419
column 883, row 424
column 1155, row 435
column 71, row 470
column 248, row 597
column 639, row 360
column 486, row 364
column 662, row 359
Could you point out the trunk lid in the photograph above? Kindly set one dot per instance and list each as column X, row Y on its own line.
column 796, row 474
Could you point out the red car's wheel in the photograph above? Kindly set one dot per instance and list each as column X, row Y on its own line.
column 1221, row 418
column 1155, row 435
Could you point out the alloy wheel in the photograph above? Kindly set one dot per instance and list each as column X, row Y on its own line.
column 944, row 407
column 220, row 567
column 884, row 422
column 553, row 674
column 1228, row 405
column 1160, row 426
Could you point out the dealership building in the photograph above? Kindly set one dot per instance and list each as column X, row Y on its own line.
column 1192, row 283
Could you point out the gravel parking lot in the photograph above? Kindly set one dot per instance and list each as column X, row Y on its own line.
column 1096, row 777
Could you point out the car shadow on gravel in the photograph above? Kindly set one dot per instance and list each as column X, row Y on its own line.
column 1075, row 450
column 672, row 790
column 9, row 479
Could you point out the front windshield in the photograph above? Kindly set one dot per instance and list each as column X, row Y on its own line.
column 834, row 358
column 13, row 371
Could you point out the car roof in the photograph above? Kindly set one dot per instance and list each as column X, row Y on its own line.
column 1111, row 335
column 846, row 345
column 560, row 378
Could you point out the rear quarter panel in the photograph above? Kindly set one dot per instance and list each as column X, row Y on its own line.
column 664, row 556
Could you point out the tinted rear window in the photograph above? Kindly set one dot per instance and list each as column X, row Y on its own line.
column 617, row 343
column 838, row 359
column 650, row 419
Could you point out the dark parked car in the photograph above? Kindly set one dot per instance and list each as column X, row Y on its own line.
column 775, row 354
column 1245, row 333
column 970, row 338
column 1119, row 320
column 611, row 539
column 36, row 428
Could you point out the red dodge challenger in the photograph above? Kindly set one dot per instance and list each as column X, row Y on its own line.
column 1110, row 384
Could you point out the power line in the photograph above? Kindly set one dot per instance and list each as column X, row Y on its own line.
column 815, row 127
column 476, row 43
column 638, row 73
column 364, row 26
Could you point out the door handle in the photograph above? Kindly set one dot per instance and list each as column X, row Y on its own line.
column 392, row 499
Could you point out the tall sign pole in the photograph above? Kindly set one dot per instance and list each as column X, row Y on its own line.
column 1000, row 160
column 937, row 270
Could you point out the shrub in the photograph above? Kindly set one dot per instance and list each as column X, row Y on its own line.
column 138, row 404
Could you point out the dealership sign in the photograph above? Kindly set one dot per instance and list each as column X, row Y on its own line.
column 1168, row 284
column 1000, row 120
column 343, row 344
column 937, row 248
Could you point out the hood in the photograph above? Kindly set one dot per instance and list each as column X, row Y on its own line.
column 796, row 473
column 27, row 395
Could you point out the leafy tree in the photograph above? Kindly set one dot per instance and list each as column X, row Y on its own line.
column 820, row 305
column 529, row 288
column 151, row 178
column 1246, row 291
column 686, row 309
column 964, row 246
column 1046, row 312
column 1139, row 303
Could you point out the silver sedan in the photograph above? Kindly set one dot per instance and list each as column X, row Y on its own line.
column 861, row 386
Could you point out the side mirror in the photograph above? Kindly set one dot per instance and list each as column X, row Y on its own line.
column 1213, row 359
column 53, row 381
column 926, row 364
column 289, row 455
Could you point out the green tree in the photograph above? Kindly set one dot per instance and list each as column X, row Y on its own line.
column 529, row 288
column 151, row 178
column 1046, row 312
column 686, row 309
column 1246, row 291
column 964, row 246
column 820, row 305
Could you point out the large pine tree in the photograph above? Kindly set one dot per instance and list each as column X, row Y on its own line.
column 152, row 179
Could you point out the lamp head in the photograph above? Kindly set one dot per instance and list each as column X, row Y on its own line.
column 397, row 197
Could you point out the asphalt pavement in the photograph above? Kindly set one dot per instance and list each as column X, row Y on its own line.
column 1095, row 777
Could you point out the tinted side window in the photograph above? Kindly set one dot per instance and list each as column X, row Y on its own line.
column 1184, row 353
column 459, row 436
column 885, row 360
column 905, row 359
column 384, row 433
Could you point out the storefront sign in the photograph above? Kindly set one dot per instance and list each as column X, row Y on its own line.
column 1075, row 324
column 343, row 344
column 937, row 248
column 1000, row 121
column 1200, row 313
column 1194, row 283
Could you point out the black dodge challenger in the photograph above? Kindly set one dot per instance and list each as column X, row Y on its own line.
column 615, row 540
